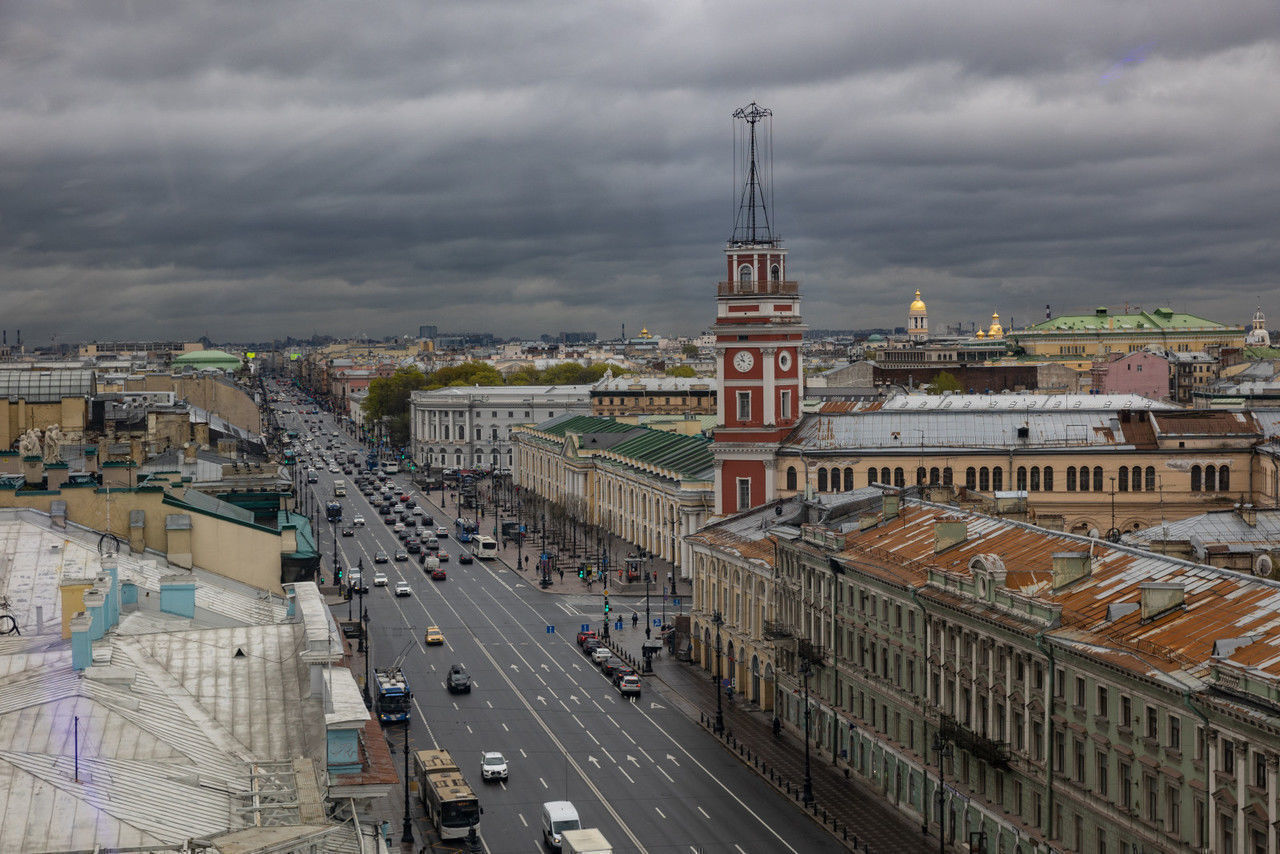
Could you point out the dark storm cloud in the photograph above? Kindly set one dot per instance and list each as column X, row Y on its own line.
column 257, row 170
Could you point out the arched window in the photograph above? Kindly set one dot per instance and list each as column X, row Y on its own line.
column 1195, row 478
column 1210, row 479
column 744, row 278
column 885, row 477
column 791, row 477
column 997, row 478
column 970, row 478
column 1122, row 483
column 921, row 475
column 871, row 475
column 899, row 477
column 822, row 480
column 1151, row 479
column 1071, row 478
column 1082, row 479
column 1048, row 478
column 1035, row 478
column 984, row 479
column 947, row 479
column 1021, row 483
column 848, row 479
column 1224, row 479
column 775, row 273
column 1137, row 478
column 1097, row 478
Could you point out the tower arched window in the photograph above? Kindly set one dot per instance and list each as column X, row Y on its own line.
column 791, row 477
column 1137, row 478
column 947, row 476
column 744, row 278
column 885, row 476
column 997, row 478
column 934, row 476
column 822, row 480
column 921, row 475
column 775, row 273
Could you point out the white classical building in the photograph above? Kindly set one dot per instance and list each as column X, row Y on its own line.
column 470, row 426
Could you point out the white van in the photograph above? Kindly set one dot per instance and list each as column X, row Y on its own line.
column 557, row 817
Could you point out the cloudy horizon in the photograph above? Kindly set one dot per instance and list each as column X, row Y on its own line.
column 170, row 170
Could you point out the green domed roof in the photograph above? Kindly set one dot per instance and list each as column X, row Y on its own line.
column 208, row 359
column 876, row 337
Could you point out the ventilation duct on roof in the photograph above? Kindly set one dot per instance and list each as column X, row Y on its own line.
column 1161, row 597
column 1069, row 567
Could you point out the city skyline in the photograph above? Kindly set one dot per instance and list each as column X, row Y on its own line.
column 259, row 172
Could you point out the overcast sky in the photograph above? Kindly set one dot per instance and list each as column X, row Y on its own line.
column 252, row 170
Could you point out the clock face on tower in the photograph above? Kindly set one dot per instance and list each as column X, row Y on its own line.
column 743, row 360
column 784, row 360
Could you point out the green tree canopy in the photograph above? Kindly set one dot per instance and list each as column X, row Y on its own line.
column 389, row 396
column 944, row 382
column 681, row 371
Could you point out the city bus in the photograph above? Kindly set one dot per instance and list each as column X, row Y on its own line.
column 450, row 804
column 465, row 529
column 484, row 547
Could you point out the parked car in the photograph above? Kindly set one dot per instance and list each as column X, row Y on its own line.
column 458, row 681
column 583, row 635
column 610, row 666
column 590, row 645
column 601, row 654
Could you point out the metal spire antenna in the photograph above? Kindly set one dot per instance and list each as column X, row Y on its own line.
column 751, row 224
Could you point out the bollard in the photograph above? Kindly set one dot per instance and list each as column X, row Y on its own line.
column 824, row 815
column 855, row 841
column 846, row 833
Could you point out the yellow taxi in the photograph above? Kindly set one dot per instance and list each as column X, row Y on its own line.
column 433, row 636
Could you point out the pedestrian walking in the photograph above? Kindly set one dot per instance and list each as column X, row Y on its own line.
column 635, row 619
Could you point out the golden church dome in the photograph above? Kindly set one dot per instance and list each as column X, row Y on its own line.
column 917, row 304
column 981, row 334
column 995, row 331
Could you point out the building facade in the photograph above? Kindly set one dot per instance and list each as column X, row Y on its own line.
column 1094, row 336
column 650, row 487
column 1069, row 695
column 628, row 395
column 470, row 426
column 1143, row 373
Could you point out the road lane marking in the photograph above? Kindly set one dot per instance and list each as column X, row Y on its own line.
column 592, row 737
column 505, row 729
column 628, row 735
column 670, row 779
column 544, row 783
column 646, row 754
column 660, row 812
column 624, row 773
column 704, row 813
column 520, row 816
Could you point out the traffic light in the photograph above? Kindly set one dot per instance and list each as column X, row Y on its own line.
column 606, row 603
column 582, row 573
column 338, row 577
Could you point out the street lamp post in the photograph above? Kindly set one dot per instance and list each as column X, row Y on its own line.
column 805, row 670
column 647, row 634
column 943, row 748
column 407, row 834
column 717, row 620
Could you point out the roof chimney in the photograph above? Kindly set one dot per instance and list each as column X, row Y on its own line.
column 1070, row 567
column 1161, row 597
column 889, row 505
column 949, row 531
column 1248, row 514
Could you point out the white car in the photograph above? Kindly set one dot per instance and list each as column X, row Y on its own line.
column 358, row 521
column 379, row 579
column 418, row 511
column 403, row 589
column 493, row 766
column 600, row 656
column 334, row 469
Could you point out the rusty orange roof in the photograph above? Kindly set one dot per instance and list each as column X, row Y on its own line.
column 1219, row 605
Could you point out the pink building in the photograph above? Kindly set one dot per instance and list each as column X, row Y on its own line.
column 1141, row 373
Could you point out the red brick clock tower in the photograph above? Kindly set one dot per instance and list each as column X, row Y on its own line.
column 758, row 330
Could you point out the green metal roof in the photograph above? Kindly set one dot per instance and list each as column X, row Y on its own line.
column 688, row 456
column 1103, row 320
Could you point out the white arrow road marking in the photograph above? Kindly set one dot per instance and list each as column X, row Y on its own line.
column 633, row 760
column 593, row 761
column 574, row 697
column 673, row 759
column 541, row 699
column 576, row 667
column 653, row 706
column 548, row 669
column 514, row 666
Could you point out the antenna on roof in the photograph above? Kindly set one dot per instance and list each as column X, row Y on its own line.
column 751, row 224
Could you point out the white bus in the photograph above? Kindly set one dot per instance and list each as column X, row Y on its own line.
column 484, row 546
column 451, row 805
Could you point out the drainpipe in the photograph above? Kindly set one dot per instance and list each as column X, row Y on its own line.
column 924, row 718
column 1047, row 649
column 1208, row 791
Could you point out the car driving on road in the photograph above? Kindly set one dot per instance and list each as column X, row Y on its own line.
column 458, row 681
column 380, row 579
column 493, row 766
column 403, row 589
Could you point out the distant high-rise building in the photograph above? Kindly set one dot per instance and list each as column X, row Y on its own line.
column 577, row 337
column 426, row 332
